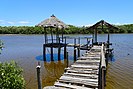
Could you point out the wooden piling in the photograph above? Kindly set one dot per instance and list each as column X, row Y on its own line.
column 59, row 51
column 74, row 54
column 52, row 53
column 65, row 53
column 38, row 77
column 44, row 52
column 67, row 59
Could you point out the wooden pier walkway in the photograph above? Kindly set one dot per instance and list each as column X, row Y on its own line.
column 88, row 72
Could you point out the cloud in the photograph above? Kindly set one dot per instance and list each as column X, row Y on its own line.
column 2, row 21
column 11, row 23
column 23, row 22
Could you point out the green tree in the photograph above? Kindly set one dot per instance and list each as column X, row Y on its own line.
column 11, row 76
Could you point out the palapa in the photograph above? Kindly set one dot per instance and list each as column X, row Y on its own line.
column 53, row 22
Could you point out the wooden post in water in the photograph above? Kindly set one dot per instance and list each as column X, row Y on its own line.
column 65, row 53
column 67, row 59
column 38, row 76
column 75, row 49
column 52, row 53
column 59, row 50
column 79, row 47
column 44, row 52
column 95, row 35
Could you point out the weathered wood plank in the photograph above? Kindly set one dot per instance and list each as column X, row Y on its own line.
column 70, row 86
column 91, row 76
column 85, row 58
column 78, row 79
column 81, row 69
column 85, row 66
column 88, row 61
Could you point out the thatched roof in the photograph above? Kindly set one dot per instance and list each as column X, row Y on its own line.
column 52, row 22
column 100, row 23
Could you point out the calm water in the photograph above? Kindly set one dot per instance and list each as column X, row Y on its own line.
column 24, row 48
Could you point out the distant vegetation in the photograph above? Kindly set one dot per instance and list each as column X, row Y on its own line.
column 71, row 30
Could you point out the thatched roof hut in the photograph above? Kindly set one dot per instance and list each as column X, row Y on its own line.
column 53, row 22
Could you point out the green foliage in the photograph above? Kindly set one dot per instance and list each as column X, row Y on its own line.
column 71, row 30
column 11, row 76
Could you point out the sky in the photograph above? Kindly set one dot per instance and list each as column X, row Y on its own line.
column 74, row 12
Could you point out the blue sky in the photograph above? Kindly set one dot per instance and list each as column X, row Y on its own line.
column 75, row 12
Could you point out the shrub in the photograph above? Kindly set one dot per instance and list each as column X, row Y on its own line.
column 11, row 76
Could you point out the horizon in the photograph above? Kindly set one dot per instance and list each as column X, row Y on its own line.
column 76, row 12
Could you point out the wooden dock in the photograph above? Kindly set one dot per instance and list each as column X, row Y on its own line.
column 88, row 72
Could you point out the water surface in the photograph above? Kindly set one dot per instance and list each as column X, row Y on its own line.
column 25, row 48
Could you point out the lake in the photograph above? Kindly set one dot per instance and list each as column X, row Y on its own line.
column 25, row 48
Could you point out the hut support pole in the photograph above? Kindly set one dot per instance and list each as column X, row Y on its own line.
column 59, row 50
column 52, row 53
column 44, row 52
column 95, row 35
column 65, row 55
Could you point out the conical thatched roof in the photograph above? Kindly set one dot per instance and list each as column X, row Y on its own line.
column 52, row 22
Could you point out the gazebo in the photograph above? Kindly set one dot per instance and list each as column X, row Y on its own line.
column 101, row 25
column 54, row 40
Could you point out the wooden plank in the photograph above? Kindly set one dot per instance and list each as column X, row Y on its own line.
column 83, row 69
column 70, row 86
column 83, row 72
column 94, row 81
column 79, row 79
column 88, row 61
column 85, row 66
column 91, row 76
column 84, row 58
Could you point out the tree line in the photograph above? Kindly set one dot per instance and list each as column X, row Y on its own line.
column 71, row 30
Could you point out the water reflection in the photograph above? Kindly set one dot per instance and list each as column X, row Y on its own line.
column 53, row 71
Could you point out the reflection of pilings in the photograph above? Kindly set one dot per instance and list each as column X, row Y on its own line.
column 44, row 52
column 38, row 77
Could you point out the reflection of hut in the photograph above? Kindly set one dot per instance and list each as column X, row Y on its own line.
column 54, row 41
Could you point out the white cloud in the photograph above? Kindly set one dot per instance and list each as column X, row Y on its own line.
column 11, row 23
column 23, row 22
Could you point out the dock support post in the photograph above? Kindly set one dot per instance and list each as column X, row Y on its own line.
column 74, row 54
column 44, row 52
column 67, row 59
column 65, row 53
column 52, row 53
column 103, row 78
column 79, row 47
column 38, row 76
column 78, row 51
column 74, row 49
column 59, row 50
